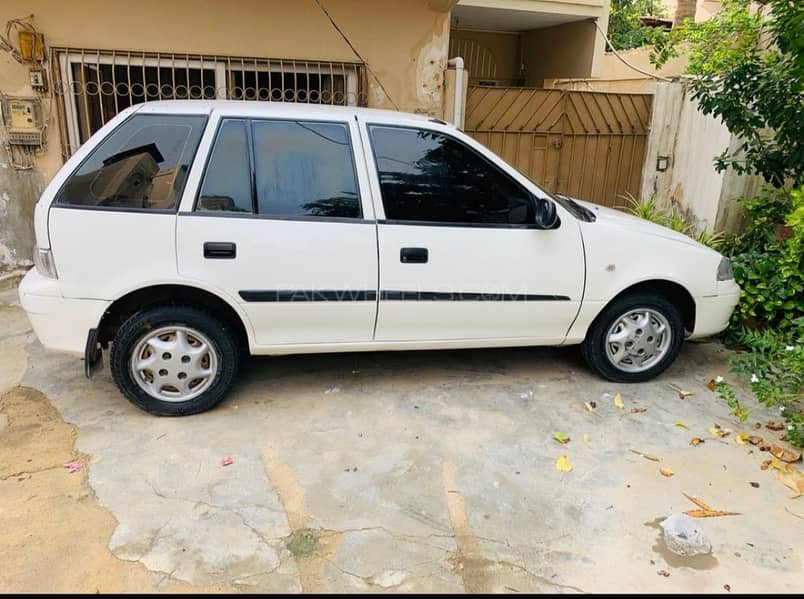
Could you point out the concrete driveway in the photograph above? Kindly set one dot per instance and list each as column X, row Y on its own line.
column 430, row 472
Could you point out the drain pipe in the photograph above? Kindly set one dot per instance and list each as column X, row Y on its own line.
column 457, row 110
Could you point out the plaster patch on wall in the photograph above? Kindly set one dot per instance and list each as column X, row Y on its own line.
column 378, row 98
column 430, row 66
column 19, row 191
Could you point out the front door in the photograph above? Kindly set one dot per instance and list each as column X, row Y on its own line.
column 279, row 225
column 460, row 257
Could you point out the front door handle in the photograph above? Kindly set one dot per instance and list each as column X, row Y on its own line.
column 220, row 250
column 413, row 255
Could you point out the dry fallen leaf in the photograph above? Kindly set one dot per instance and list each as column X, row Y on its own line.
column 681, row 424
column 706, row 511
column 719, row 432
column 563, row 464
column 664, row 573
column 618, row 402
column 709, row 513
column 754, row 440
column 764, row 465
column 792, row 478
column 696, row 441
column 774, row 426
column 681, row 393
column 785, row 455
column 644, row 455
column 668, row 472
column 561, row 438
column 711, row 384
column 638, row 410
column 741, row 438
column 697, row 501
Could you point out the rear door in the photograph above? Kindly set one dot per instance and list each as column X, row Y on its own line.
column 282, row 223
column 460, row 256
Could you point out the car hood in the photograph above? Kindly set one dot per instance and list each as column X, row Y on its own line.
column 619, row 219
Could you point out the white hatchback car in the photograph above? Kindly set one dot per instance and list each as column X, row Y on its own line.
column 186, row 233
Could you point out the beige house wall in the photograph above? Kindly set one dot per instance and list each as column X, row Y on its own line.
column 505, row 47
column 589, row 8
column 616, row 76
column 558, row 38
column 404, row 43
column 562, row 51
column 689, row 141
column 703, row 10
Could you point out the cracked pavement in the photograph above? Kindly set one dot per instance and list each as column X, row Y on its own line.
column 414, row 472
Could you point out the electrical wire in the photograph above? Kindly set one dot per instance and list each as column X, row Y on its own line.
column 8, row 46
column 346, row 39
column 623, row 60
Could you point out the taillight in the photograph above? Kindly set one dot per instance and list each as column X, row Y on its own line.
column 43, row 260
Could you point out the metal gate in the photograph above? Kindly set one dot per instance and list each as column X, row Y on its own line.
column 588, row 145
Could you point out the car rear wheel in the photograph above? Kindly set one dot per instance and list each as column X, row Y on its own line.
column 635, row 338
column 174, row 360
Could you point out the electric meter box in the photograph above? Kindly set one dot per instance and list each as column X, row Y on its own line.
column 22, row 119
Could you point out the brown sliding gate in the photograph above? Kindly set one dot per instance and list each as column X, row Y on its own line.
column 588, row 145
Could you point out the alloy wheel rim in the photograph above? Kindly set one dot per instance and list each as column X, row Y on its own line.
column 174, row 363
column 638, row 340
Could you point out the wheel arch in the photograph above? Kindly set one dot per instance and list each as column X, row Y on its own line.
column 141, row 298
column 674, row 292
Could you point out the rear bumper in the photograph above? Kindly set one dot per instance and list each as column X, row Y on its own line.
column 61, row 324
column 712, row 313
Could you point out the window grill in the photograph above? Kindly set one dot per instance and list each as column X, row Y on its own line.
column 94, row 85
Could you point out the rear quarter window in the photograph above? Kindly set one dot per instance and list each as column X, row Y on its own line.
column 141, row 165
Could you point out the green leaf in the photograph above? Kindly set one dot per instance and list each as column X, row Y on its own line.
column 561, row 438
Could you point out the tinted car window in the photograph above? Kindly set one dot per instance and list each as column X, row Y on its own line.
column 143, row 164
column 227, row 181
column 428, row 176
column 304, row 169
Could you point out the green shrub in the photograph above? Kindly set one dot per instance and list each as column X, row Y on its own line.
column 767, row 259
column 672, row 219
column 772, row 364
column 768, row 324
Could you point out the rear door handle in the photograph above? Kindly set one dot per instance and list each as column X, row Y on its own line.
column 413, row 255
column 220, row 250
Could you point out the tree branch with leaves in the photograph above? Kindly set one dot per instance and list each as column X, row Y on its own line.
column 746, row 66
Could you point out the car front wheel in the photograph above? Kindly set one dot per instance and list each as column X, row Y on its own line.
column 635, row 338
column 174, row 360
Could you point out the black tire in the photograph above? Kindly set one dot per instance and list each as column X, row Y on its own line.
column 221, row 337
column 593, row 347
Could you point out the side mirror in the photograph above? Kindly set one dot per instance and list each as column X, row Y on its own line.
column 546, row 215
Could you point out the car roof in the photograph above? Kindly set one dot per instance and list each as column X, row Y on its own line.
column 256, row 108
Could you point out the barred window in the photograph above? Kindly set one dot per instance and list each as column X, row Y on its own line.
column 96, row 85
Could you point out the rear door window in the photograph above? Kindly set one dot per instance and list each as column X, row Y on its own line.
column 142, row 165
column 227, row 181
column 304, row 169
